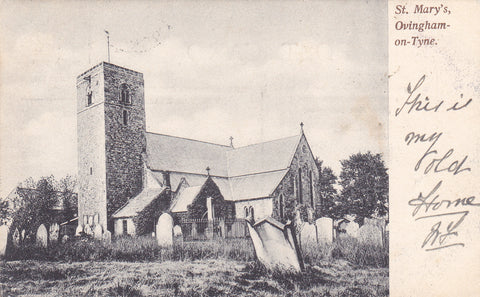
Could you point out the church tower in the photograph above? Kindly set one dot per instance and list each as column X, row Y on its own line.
column 111, row 140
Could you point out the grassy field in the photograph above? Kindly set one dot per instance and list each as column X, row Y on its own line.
column 139, row 267
column 181, row 278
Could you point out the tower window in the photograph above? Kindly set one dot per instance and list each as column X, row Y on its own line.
column 125, row 94
column 89, row 98
column 91, row 170
column 125, row 117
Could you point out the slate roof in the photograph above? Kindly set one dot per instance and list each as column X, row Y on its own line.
column 185, row 198
column 262, row 157
column 178, row 154
column 138, row 203
column 248, row 172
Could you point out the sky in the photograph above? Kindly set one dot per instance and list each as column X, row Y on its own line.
column 212, row 69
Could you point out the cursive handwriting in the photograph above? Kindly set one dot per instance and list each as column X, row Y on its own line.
column 416, row 102
column 431, row 202
column 443, row 230
column 438, row 164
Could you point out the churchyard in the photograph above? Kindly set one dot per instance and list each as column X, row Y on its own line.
column 140, row 267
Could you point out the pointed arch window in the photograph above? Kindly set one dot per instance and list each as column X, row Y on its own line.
column 125, row 94
column 299, row 192
column 310, row 179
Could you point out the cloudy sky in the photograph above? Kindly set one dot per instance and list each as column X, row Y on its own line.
column 212, row 70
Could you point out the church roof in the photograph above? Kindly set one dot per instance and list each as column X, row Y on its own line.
column 262, row 157
column 185, row 198
column 138, row 203
column 178, row 154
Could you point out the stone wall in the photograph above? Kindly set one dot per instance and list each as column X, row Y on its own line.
column 91, row 145
column 289, row 186
column 261, row 208
column 124, row 143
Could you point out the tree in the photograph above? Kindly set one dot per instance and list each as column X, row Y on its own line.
column 36, row 206
column 364, row 181
column 326, row 191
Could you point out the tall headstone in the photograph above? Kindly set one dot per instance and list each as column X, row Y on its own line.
column 164, row 230
column 324, row 230
column 308, row 234
column 98, row 232
column 16, row 237
column 107, row 236
column 79, row 230
column 42, row 236
column 3, row 239
column 54, row 231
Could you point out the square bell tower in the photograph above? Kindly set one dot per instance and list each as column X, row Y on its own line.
column 111, row 139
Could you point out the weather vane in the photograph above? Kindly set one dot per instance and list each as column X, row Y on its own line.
column 108, row 44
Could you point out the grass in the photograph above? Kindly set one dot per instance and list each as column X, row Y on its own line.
column 188, row 278
column 139, row 267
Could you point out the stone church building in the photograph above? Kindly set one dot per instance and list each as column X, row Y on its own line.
column 128, row 177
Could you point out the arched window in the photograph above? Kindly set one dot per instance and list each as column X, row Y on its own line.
column 124, row 94
column 280, row 205
column 246, row 212
column 125, row 117
column 311, row 188
column 252, row 213
column 300, row 198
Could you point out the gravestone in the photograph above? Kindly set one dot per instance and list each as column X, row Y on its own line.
column 42, row 236
column 79, row 230
column 90, row 221
column 3, row 239
column 351, row 229
column 177, row 233
column 324, row 230
column 370, row 234
column 16, row 238
column 275, row 245
column 164, row 230
column 54, row 231
column 88, row 230
column 308, row 234
column 98, row 231
column 107, row 236
column 65, row 238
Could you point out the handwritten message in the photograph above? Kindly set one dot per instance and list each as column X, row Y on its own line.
column 445, row 215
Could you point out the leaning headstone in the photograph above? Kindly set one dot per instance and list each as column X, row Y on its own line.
column 351, row 229
column 65, row 238
column 275, row 245
column 98, row 232
column 3, row 239
column 308, row 234
column 42, row 236
column 107, row 236
column 16, row 238
column 370, row 234
column 54, row 231
column 164, row 230
column 324, row 230
column 79, row 230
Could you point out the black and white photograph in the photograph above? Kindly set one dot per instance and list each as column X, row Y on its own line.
column 182, row 148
